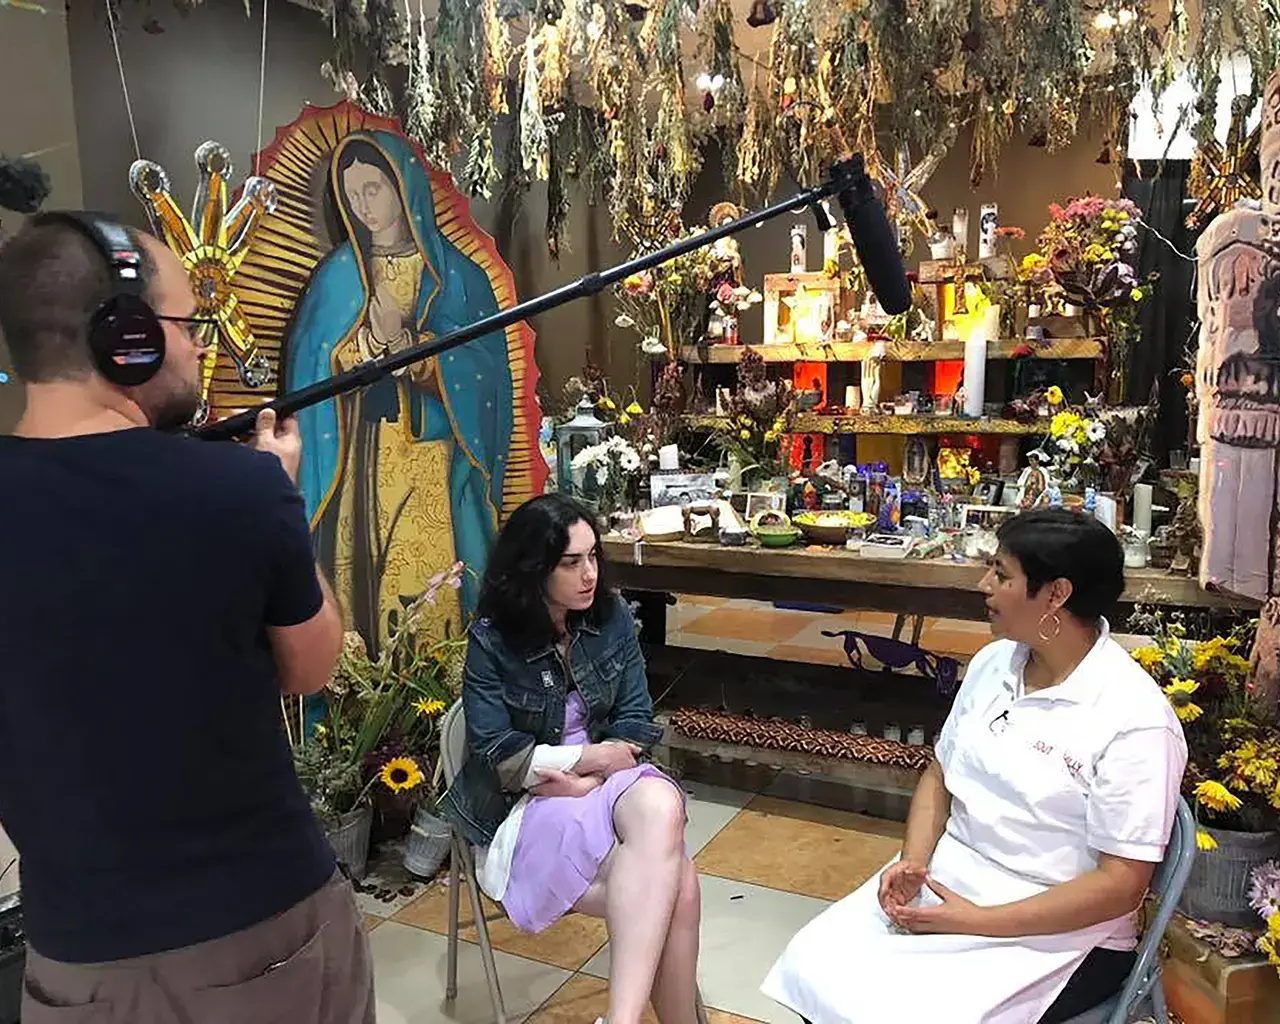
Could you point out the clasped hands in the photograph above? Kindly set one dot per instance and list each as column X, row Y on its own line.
column 597, row 763
column 902, row 881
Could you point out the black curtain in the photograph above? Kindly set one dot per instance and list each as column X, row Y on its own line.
column 1169, row 317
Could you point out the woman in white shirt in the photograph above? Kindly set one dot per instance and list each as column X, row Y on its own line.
column 1033, row 835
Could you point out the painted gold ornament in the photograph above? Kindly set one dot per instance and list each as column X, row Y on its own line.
column 1222, row 175
column 212, row 245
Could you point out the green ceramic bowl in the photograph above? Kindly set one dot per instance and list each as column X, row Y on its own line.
column 776, row 536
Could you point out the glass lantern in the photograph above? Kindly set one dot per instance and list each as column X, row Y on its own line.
column 583, row 431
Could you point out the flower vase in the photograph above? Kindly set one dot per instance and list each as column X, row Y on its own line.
column 1218, row 887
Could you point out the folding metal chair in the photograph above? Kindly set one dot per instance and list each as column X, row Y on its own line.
column 1144, row 986
column 453, row 754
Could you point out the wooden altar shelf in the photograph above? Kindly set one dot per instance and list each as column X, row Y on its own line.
column 906, row 352
column 934, row 587
column 1204, row 987
column 876, row 423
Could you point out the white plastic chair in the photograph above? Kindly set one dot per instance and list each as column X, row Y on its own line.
column 1145, row 984
column 453, row 754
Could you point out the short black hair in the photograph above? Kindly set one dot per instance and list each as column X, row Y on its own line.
column 52, row 280
column 1058, row 543
column 528, row 548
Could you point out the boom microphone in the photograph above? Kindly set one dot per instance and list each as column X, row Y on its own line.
column 847, row 181
column 873, row 238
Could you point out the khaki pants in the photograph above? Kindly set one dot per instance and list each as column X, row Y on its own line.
column 309, row 965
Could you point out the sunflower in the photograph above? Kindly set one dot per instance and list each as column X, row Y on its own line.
column 1216, row 796
column 1179, row 693
column 428, row 706
column 400, row 774
column 1204, row 841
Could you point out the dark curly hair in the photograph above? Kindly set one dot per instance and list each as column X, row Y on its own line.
column 530, row 546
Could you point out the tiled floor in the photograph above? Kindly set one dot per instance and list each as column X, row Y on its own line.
column 767, row 867
column 757, row 628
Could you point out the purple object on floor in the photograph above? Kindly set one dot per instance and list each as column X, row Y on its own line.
column 564, row 839
column 893, row 654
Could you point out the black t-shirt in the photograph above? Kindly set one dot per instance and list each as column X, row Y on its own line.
column 145, row 773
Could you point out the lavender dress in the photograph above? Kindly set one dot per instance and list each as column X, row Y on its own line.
column 563, row 840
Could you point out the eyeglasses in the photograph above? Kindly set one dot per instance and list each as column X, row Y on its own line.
column 192, row 325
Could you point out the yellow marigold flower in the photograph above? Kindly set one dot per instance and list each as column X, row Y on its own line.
column 623, row 419
column 1204, row 841
column 428, row 706
column 606, row 403
column 634, row 409
column 1148, row 657
column 400, row 774
column 1054, row 395
column 1216, row 796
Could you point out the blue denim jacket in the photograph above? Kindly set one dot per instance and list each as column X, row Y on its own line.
column 515, row 701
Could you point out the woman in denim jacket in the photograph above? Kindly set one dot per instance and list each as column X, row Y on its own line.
column 553, row 794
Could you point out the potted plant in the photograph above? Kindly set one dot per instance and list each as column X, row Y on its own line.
column 376, row 745
column 1233, row 766
column 1264, row 898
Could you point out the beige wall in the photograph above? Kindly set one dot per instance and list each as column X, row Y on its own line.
column 37, row 117
column 35, row 75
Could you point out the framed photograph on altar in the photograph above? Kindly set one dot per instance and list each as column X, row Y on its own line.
column 985, row 517
column 680, row 488
column 757, row 502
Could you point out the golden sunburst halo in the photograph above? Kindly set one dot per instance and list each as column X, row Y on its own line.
column 212, row 245
column 401, row 774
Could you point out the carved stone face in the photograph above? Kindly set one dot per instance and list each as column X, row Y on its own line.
column 1239, row 360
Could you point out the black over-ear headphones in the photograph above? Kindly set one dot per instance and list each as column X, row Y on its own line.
column 126, row 337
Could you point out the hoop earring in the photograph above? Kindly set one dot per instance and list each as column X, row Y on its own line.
column 1057, row 627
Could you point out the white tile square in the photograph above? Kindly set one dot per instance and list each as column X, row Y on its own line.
column 744, row 930
column 709, row 809
column 409, row 975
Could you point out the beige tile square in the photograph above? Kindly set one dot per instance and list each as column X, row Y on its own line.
column 569, row 943
column 809, row 655
column 801, row 848
column 756, row 625
column 410, row 966
column 584, row 998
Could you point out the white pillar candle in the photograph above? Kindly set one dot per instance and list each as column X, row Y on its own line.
column 960, row 227
column 830, row 240
column 668, row 457
column 988, row 222
column 975, row 373
column 1142, row 508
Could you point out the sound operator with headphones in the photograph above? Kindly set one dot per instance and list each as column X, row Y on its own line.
column 157, row 595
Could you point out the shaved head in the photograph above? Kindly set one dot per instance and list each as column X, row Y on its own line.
column 52, row 280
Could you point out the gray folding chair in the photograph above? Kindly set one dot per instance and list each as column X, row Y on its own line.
column 453, row 754
column 1144, row 987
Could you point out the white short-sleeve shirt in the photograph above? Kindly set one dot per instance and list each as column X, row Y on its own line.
column 1041, row 783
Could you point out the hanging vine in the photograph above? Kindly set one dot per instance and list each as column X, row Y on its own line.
column 603, row 91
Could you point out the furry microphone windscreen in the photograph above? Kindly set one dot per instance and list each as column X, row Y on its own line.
column 24, row 185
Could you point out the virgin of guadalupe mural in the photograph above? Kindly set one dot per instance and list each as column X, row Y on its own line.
column 375, row 252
